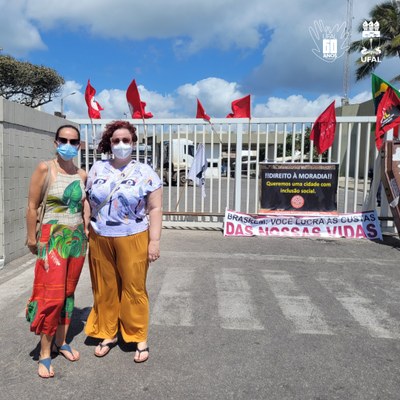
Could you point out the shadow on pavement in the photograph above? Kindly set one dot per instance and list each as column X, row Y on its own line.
column 79, row 317
column 391, row 241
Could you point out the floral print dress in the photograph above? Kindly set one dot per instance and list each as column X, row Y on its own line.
column 61, row 254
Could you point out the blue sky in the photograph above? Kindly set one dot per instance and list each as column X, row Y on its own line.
column 178, row 50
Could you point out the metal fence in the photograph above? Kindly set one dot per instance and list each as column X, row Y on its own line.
column 235, row 150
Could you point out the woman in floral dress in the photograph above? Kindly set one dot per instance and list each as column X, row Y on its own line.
column 60, row 249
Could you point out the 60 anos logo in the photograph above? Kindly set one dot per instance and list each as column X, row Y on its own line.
column 331, row 43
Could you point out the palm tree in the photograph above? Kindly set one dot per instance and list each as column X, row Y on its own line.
column 388, row 16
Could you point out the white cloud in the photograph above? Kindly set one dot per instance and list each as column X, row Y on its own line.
column 220, row 24
column 294, row 106
column 113, row 101
column 18, row 35
column 160, row 106
column 299, row 106
column 215, row 94
column 287, row 66
column 361, row 97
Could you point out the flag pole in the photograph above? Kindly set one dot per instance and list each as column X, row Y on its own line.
column 93, row 139
column 94, row 147
column 214, row 130
column 249, row 135
column 249, row 141
column 180, row 195
column 219, row 138
column 249, row 130
column 145, row 139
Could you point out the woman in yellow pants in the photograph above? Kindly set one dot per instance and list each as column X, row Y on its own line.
column 125, row 229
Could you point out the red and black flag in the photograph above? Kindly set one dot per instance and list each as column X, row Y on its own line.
column 387, row 115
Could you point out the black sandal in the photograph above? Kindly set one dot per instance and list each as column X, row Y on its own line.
column 109, row 345
column 140, row 352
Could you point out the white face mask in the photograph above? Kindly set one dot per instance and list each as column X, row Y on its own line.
column 122, row 150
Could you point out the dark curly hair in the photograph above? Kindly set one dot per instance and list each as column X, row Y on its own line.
column 105, row 142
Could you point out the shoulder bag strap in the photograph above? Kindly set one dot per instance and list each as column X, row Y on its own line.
column 45, row 189
column 46, row 186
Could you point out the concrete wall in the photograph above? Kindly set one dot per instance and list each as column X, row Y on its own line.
column 26, row 138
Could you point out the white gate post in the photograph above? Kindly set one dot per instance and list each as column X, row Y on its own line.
column 238, row 166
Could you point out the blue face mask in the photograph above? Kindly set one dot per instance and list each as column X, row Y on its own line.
column 66, row 151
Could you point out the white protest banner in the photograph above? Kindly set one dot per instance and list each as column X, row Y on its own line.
column 363, row 225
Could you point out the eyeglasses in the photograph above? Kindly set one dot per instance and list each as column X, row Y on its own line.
column 72, row 142
column 123, row 140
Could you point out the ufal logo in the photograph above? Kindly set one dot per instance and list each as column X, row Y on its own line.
column 331, row 42
column 371, row 35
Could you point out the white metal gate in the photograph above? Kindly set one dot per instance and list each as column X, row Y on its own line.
column 234, row 150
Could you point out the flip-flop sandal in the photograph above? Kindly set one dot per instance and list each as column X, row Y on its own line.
column 140, row 352
column 109, row 346
column 65, row 347
column 46, row 362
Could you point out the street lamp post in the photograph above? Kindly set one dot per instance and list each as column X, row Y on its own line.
column 62, row 103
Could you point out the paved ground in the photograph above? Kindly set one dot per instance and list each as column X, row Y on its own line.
column 232, row 318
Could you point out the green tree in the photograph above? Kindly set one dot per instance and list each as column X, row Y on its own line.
column 388, row 16
column 28, row 84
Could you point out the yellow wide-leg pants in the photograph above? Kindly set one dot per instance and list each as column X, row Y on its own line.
column 118, row 270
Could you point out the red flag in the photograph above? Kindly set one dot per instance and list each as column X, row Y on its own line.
column 240, row 108
column 323, row 131
column 387, row 115
column 379, row 87
column 136, row 106
column 94, row 107
column 200, row 111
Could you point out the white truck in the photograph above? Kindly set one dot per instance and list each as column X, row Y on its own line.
column 175, row 159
